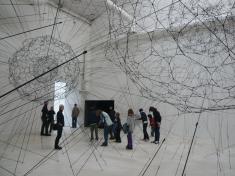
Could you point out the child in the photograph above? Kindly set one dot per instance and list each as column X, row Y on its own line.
column 152, row 124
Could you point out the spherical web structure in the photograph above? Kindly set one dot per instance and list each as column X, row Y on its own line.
column 186, row 61
column 175, row 55
column 37, row 56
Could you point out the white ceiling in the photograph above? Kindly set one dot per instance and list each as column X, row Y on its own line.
column 88, row 9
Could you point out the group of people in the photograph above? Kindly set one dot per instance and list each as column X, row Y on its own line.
column 112, row 125
column 110, row 121
column 48, row 121
column 154, row 122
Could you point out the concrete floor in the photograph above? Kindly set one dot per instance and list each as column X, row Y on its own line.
column 35, row 156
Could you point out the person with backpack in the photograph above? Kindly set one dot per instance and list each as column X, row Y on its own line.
column 157, row 120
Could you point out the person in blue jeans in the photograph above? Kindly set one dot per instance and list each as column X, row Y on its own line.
column 105, row 119
column 144, row 119
column 157, row 120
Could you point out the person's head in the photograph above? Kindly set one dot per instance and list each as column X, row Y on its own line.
column 140, row 110
column 98, row 112
column 130, row 112
column 150, row 116
column 151, row 109
column 117, row 114
column 52, row 108
column 61, row 107
column 75, row 105
column 46, row 102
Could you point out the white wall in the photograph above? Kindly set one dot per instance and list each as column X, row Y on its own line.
column 72, row 31
column 112, row 71
column 142, row 69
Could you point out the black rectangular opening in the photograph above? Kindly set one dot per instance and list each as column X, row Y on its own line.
column 91, row 105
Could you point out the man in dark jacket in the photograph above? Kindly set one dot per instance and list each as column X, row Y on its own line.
column 145, row 123
column 93, row 121
column 60, row 125
column 157, row 118
column 44, row 117
column 50, row 119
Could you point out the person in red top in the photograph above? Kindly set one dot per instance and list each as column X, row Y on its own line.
column 157, row 118
column 151, row 124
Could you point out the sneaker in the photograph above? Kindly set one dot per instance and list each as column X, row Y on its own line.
column 104, row 145
column 91, row 139
column 58, row 148
column 156, row 142
column 129, row 148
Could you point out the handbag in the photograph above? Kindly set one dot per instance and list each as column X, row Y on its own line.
column 55, row 127
column 125, row 128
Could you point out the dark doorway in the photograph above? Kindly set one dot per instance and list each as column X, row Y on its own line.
column 91, row 105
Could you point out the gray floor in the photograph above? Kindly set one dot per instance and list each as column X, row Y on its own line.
column 35, row 156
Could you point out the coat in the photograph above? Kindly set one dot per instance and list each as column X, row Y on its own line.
column 75, row 112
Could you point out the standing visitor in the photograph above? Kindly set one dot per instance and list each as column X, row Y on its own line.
column 75, row 113
column 44, row 127
column 144, row 119
column 93, row 121
column 117, row 127
column 131, row 124
column 157, row 120
column 60, row 125
column 105, row 119
column 111, row 114
column 151, row 124
column 51, row 114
